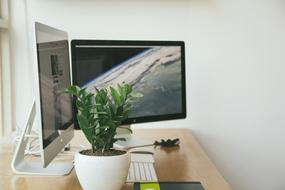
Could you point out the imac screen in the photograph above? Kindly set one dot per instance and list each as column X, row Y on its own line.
column 54, row 76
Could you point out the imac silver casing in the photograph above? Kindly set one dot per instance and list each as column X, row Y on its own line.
column 19, row 164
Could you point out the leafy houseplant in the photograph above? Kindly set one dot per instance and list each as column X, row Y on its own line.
column 99, row 115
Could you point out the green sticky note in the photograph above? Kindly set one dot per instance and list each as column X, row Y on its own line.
column 149, row 186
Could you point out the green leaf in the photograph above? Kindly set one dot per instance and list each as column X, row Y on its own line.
column 128, row 89
column 101, row 97
column 104, row 127
column 111, row 111
column 80, row 105
column 84, row 125
column 87, row 97
column 99, row 113
column 120, row 110
column 74, row 90
column 115, row 96
column 82, row 93
column 120, row 89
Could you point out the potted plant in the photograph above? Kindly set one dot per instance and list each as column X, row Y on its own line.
column 99, row 115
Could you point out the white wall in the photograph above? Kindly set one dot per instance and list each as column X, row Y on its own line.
column 235, row 64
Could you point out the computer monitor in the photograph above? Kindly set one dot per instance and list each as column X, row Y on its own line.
column 154, row 68
column 56, row 117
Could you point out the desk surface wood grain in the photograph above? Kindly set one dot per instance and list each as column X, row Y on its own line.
column 188, row 162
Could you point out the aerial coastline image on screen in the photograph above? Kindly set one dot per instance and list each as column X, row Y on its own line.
column 155, row 71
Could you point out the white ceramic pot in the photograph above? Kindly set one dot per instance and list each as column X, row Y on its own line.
column 102, row 172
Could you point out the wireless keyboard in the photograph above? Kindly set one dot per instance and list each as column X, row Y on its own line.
column 142, row 168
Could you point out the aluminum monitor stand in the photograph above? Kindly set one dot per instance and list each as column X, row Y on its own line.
column 32, row 167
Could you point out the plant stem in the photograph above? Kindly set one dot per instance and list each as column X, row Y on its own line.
column 93, row 146
column 103, row 150
column 93, row 141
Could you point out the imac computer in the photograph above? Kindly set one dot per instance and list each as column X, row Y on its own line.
column 54, row 108
column 154, row 68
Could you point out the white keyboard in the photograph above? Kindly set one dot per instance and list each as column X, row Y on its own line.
column 142, row 168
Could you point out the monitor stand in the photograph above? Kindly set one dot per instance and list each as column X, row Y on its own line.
column 130, row 141
column 20, row 165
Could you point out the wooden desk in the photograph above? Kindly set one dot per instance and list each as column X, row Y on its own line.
column 185, row 163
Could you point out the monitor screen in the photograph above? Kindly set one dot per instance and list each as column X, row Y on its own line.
column 54, row 77
column 154, row 68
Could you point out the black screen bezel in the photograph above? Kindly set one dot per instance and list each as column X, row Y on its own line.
column 181, row 115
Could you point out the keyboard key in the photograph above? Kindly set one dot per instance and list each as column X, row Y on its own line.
column 147, row 172
column 142, row 172
column 153, row 174
column 131, row 172
column 137, row 172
